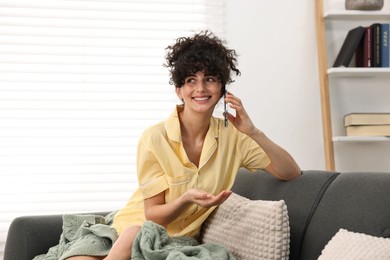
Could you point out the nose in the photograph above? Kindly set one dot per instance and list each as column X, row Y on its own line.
column 202, row 85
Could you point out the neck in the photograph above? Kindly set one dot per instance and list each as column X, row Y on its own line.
column 194, row 126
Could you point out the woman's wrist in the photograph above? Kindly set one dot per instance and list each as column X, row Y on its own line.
column 256, row 132
column 184, row 200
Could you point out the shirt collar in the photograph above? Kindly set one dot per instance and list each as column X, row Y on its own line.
column 172, row 126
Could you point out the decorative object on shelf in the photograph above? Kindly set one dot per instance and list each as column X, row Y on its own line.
column 364, row 4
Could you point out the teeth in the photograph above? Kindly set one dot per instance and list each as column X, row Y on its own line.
column 201, row 98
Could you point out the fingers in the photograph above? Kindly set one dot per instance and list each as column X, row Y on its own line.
column 222, row 196
column 200, row 195
column 241, row 120
column 206, row 200
column 234, row 102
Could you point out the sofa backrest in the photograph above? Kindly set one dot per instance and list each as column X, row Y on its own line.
column 302, row 196
column 357, row 202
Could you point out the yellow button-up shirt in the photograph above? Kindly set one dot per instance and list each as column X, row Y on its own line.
column 162, row 165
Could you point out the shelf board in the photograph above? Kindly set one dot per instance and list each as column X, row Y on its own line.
column 356, row 15
column 356, row 72
column 361, row 138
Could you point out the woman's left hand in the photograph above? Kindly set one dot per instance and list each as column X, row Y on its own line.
column 241, row 121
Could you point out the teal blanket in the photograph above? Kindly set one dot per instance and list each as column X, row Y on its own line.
column 92, row 235
column 83, row 235
column 154, row 243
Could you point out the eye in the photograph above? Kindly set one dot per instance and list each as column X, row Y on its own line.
column 211, row 79
column 190, row 80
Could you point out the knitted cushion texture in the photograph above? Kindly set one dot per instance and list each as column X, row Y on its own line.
column 351, row 245
column 250, row 229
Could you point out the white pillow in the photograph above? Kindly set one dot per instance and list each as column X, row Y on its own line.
column 250, row 229
column 350, row 245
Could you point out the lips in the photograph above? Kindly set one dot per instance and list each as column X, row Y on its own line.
column 201, row 98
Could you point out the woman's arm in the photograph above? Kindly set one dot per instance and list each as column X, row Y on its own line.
column 163, row 213
column 282, row 166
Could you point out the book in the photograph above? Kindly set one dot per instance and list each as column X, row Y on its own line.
column 367, row 119
column 368, row 130
column 385, row 45
column 364, row 50
column 376, row 45
column 349, row 46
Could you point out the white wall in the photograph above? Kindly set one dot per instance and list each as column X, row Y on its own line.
column 279, row 85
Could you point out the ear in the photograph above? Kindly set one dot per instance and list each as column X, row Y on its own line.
column 178, row 93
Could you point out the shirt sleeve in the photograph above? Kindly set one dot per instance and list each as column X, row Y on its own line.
column 253, row 156
column 151, row 177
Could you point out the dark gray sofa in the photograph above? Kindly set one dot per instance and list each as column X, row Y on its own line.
column 319, row 203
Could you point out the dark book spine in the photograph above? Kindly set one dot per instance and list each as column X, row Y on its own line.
column 376, row 46
column 364, row 51
column 385, row 44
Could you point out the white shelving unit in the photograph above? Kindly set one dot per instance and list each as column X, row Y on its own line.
column 329, row 42
column 356, row 15
column 361, row 138
column 359, row 72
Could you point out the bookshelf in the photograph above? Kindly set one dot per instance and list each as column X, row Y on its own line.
column 328, row 20
column 355, row 15
column 360, row 138
column 358, row 72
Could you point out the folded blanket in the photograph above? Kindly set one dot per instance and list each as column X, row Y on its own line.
column 154, row 243
column 83, row 235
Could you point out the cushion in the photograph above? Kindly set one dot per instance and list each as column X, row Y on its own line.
column 350, row 245
column 250, row 229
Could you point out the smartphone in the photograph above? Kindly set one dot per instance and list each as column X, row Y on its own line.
column 225, row 111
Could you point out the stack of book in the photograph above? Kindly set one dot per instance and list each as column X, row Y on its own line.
column 367, row 124
column 369, row 45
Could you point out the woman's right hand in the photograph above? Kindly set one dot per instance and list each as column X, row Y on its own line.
column 205, row 199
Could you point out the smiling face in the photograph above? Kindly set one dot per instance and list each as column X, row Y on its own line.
column 200, row 92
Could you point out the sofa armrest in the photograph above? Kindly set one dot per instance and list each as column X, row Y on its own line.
column 29, row 236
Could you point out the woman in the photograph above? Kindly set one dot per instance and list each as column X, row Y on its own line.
column 187, row 164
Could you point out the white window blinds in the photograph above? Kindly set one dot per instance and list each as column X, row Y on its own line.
column 79, row 82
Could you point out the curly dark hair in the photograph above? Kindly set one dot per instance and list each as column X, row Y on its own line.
column 201, row 52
